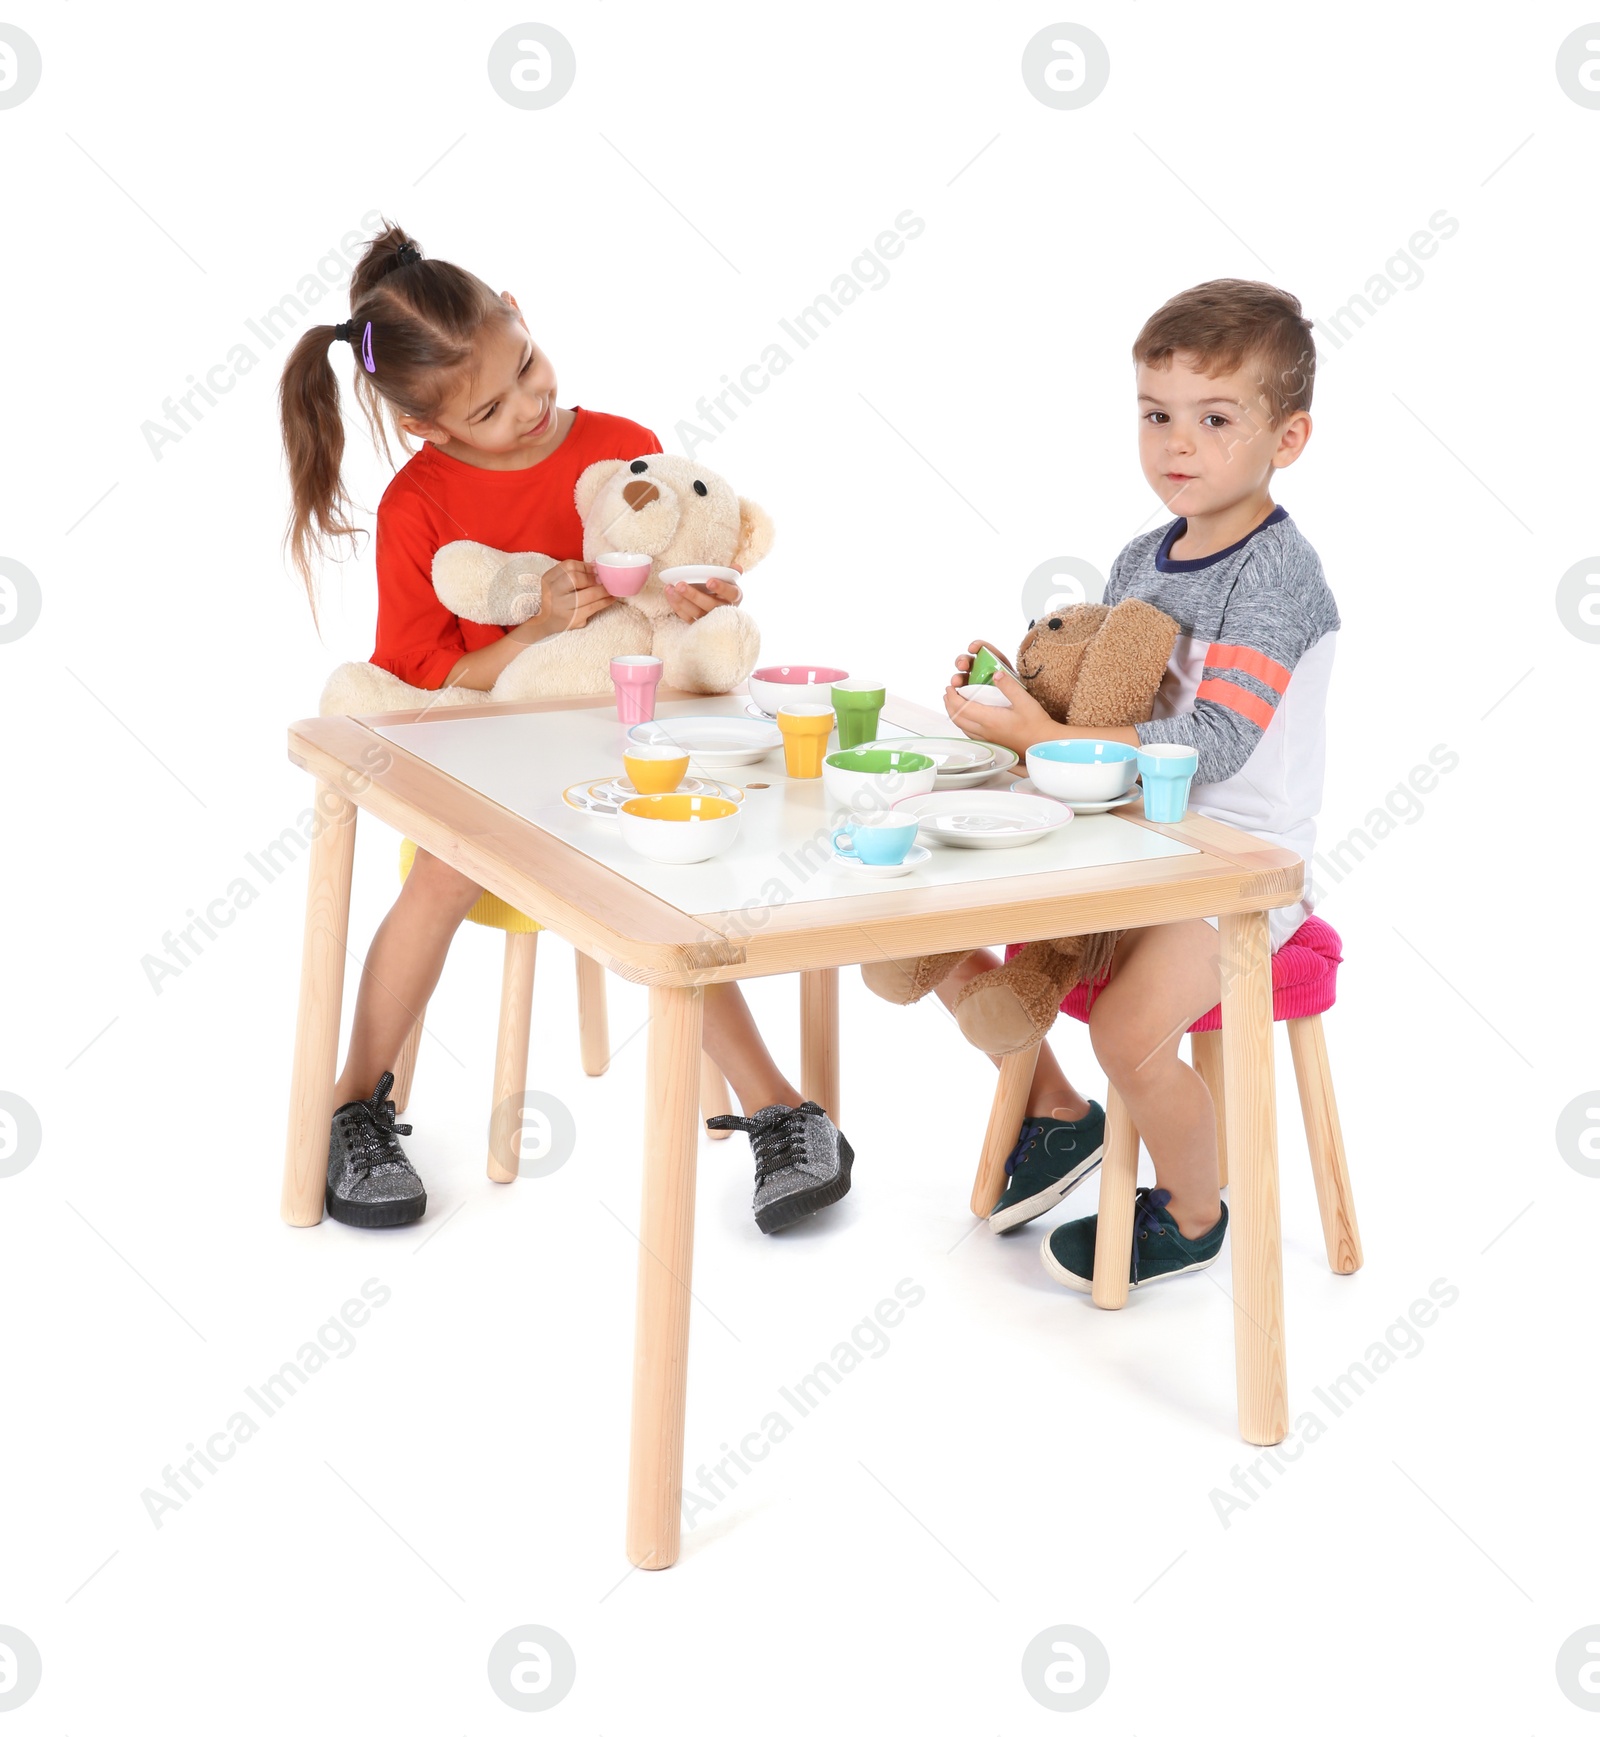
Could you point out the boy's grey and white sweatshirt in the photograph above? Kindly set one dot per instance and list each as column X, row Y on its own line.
column 1250, row 618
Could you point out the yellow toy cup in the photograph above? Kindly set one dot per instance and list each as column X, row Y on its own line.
column 654, row 768
column 806, row 730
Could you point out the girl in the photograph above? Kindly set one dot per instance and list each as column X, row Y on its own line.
column 453, row 365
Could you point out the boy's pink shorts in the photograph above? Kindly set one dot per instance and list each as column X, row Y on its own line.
column 1303, row 973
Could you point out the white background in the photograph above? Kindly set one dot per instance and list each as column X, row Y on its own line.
column 1014, row 1460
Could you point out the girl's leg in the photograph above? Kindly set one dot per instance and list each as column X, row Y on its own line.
column 402, row 967
column 1052, row 1093
column 1162, row 980
column 732, row 1041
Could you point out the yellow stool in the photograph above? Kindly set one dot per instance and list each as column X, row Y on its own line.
column 516, row 1019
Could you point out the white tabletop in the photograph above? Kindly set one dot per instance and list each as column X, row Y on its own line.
column 523, row 762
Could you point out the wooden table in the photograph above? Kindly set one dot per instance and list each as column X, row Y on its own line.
column 587, row 889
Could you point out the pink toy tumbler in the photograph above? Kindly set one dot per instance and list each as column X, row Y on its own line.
column 635, row 680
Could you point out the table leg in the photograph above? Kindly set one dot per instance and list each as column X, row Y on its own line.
column 1005, row 1124
column 819, row 1038
column 316, row 1041
column 666, row 1259
column 1250, row 1110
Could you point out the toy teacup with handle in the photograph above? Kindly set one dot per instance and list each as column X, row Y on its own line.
column 881, row 840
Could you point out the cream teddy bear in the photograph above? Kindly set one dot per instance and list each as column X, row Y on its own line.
column 670, row 508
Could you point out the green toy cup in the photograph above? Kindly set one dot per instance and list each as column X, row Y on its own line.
column 984, row 664
column 856, row 705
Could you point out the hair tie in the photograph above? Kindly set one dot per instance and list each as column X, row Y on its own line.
column 406, row 254
column 345, row 333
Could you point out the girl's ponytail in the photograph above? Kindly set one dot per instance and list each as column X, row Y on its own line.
column 313, row 444
column 413, row 326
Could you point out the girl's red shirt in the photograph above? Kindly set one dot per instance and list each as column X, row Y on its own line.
column 435, row 499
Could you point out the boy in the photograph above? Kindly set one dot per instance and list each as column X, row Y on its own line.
column 1224, row 378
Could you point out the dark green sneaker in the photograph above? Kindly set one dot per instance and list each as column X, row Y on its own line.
column 1160, row 1249
column 1051, row 1158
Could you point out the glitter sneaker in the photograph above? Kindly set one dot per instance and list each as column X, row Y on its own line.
column 802, row 1161
column 370, row 1179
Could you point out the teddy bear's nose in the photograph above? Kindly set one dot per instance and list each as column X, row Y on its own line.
column 639, row 494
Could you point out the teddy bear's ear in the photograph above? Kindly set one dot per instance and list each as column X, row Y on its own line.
column 755, row 535
column 593, row 480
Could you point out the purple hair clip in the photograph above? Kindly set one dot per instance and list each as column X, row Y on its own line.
column 366, row 350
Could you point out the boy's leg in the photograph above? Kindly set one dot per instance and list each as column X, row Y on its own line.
column 1162, row 980
column 402, row 969
column 1059, row 1142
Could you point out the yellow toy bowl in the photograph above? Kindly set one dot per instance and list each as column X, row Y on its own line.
column 677, row 828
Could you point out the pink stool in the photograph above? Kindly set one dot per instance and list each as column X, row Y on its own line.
column 1303, row 973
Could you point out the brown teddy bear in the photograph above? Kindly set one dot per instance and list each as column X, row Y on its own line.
column 1093, row 666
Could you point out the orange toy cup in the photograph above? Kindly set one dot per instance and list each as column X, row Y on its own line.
column 654, row 769
column 806, row 730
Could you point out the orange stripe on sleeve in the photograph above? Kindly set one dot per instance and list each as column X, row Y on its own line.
column 1252, row 662
column 1236, row 699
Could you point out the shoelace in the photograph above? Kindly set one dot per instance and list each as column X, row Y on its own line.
column 374, row 1134
column 1024, row 1146
column 777, row 1134
column 1146, row 1219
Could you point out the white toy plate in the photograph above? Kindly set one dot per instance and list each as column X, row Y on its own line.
column 959, row 761
column 712, row 743
column 984, row 819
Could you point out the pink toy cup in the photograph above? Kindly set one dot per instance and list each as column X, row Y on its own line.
column 622, row 574
column 635, row 680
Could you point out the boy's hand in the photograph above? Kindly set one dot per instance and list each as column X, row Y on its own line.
column 964, row 662
column 1019, row 728
column 689, row 602
column 572, row 597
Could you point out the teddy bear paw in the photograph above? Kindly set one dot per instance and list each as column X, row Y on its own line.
column 485, row 585
column 1007, row 1010
column 904, row 981
column 711, row 655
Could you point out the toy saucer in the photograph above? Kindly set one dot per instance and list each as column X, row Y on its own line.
column 698, row 574
column 879, row 871
column 1027, row 787
column 607, row 795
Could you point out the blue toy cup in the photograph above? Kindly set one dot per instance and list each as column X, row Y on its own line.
column 1166, row 770
column 880, row 842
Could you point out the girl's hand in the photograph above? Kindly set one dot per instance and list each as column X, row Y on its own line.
column 1019, row 728
column 572, row 597
column 689, row 602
